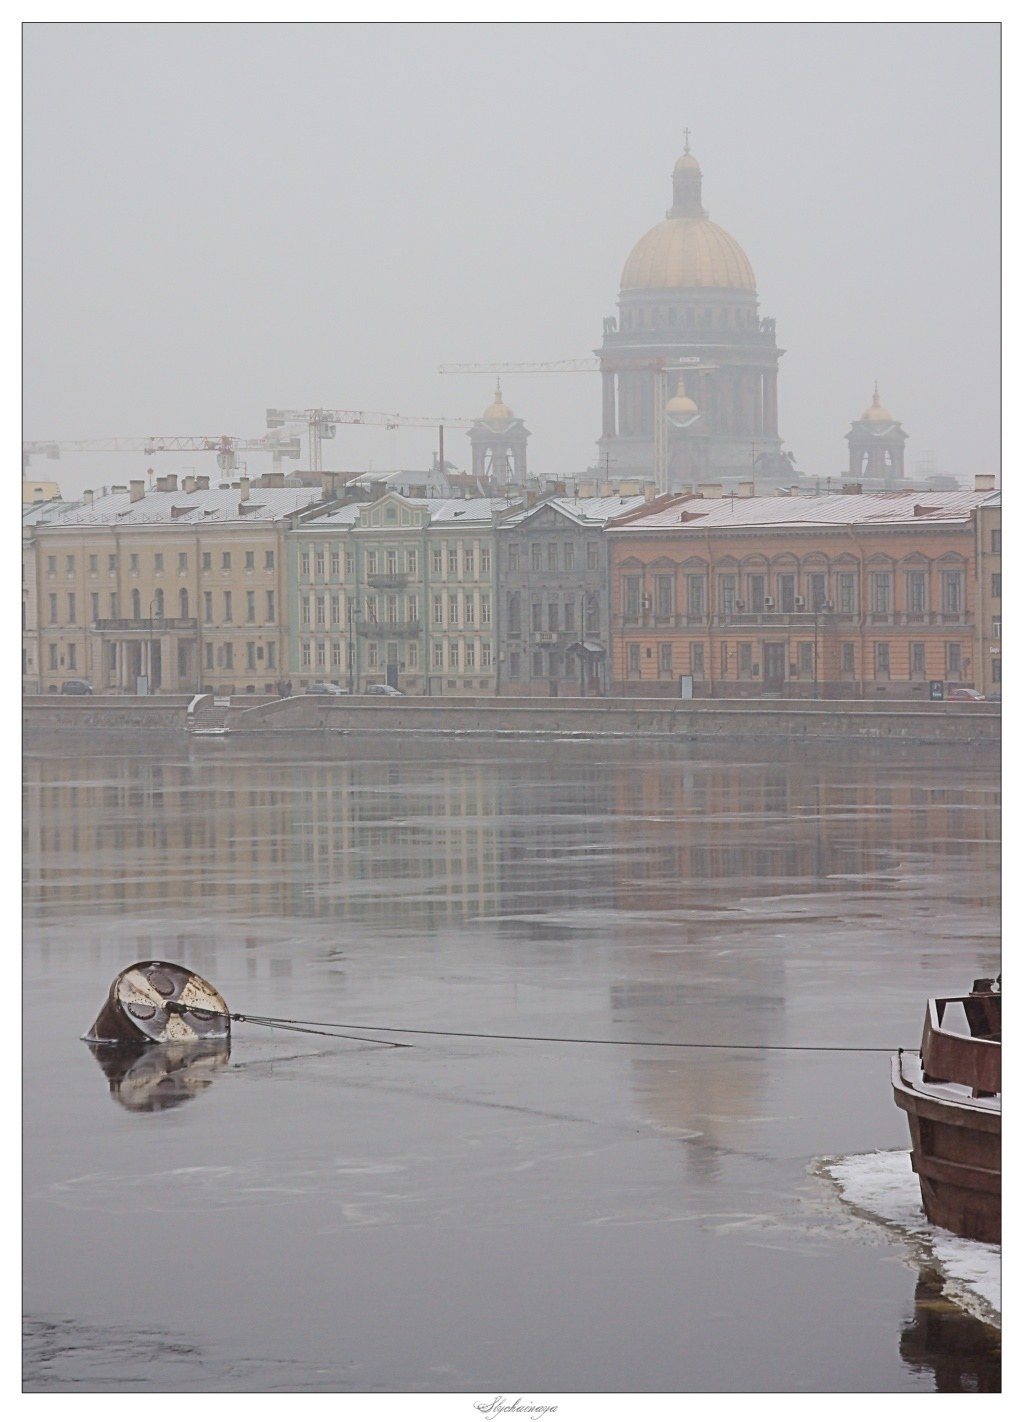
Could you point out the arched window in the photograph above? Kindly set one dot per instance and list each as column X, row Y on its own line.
column 158, row 603
column 183, row 602
column 136, row 604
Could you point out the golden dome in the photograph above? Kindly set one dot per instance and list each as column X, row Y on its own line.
column 498, row 412
column 687, row 163
column 876, row 412
column 681, row 404
column 687, row 252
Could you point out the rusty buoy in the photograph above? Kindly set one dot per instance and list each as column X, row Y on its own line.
column 161, row 1002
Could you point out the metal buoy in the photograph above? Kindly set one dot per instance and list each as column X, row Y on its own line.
column 160, row 1002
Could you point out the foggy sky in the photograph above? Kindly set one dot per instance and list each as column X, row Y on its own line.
column 222, row 218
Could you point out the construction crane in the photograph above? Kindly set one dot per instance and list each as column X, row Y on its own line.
column 226, row 447
column 544, row 367
column 321, row 425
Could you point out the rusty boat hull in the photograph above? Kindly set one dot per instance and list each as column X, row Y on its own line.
column 951, row 1092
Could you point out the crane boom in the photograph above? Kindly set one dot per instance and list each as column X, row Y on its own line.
column 224, row 446
column 321, row 424
column 550, row 367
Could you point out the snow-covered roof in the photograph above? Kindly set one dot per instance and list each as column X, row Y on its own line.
column 594, row 512
column 200, row 506
column 809, row 511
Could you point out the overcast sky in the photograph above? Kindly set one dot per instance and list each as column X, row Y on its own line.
column 222, row 218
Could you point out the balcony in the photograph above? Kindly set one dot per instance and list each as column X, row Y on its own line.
column 387, row 629
column 387, row 580
column 148, row 625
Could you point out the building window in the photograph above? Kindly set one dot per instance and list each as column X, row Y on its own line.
column 470, row 609
column 350, row 564
column 881, row 594
column 846, row 593
column 207, row 562
column 391, row 562
column 304, row 606
column 321, row 655
column 846, row 659
column 321, row 610
column 157, row 607
column 250, row 607
column 435, row 561
column 53, row 656
column 306, row 654
column 70, row 563
column 805, row 658
column 953, row 662
column 268, row 566
column 552, row 557
column 952, row 592
column 250, row 560
column 917, row 662
column 53, row 607
column 756, row 591
column 593, row 557
column 513, row 666
column 438, row 655
column 512, row 558
column 996, row 540
column 207, row 606
column 997, row 585
column 227, row 607
column 158, row 562
column 453, row 654
column 535, row 552
column 697, row 660
column 536, row 617
column 997, row 671
column 225, row 562
column 453, row 562
column 552, row 616
column 743, row 657
column 485, row 562
column 94, row 606
column 514, row 614
column 723, row 660
column 468, row 561
column 917, row 593
column 537, row 664
column 695, row 595
column 411, row 561
column 304, row 565
column 631, row 586
column 271, row 656
column 111, row 562
column 250, row 656
column 569, row 616
column 72, row 657
column 438, row 611
column 229, row 655
column 664, row 595
column 997, row 628
column 136, row 605
column 470, row 656
column 94, row 563
column 412, row 656
column 592, row 615
column 335, row 609
column 51, row 565
column 133, row 563
column 665, row 657
column 727, row 593
column 209, row 656
column 882, row 660
column 485, row 610
column 183, row 602
column 633, row 649
column 182, row 562
column 817, row 591
column 453, row 611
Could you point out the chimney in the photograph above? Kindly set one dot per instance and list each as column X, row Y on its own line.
column 172, row 483
column 202, row 481
column 189, row 484
column 87, row 496
column 629, row 486
column 161, row 484
column 243, row 488
column 605, row 490
column 794, row 490
column 852, row 489
column 984, row 483
column 745, row 489
column 709, row 491
column 136, row 490
column 119, row 488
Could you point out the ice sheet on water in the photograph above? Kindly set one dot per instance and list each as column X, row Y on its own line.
column 884, row 1186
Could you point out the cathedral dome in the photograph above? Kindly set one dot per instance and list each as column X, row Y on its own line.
column 687, row 251
column 681, row 404
column 497, row 413
column 876, row 412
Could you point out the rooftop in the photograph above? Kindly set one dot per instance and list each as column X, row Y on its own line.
column 807, row 511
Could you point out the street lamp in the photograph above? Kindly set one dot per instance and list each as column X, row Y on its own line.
column 825, row 607
column 353, row 613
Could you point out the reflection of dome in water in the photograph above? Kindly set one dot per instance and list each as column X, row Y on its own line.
column 687, row 249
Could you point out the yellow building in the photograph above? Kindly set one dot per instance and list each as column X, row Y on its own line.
column 161, row 589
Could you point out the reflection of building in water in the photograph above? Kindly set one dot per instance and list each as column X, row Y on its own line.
column 746, row 823
column 962, row 1353
column 343, row 840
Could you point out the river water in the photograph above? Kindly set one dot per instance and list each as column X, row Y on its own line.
column 478, row 1213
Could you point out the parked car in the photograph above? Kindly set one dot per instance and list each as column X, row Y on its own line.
column 380, row 688
column 965, row 693
column 326, row 688
column 76, row 687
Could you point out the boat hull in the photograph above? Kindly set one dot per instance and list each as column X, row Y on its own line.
column 956, row 1151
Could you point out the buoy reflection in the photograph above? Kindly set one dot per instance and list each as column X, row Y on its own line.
column 161, row 1075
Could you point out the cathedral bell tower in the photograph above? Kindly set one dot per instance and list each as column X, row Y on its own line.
column 498, row 440
column 876, row 443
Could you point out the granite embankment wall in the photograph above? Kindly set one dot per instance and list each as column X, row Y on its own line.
column 976, row 724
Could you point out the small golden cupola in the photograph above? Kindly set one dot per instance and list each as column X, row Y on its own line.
column 876, row 411
column 497, row 413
